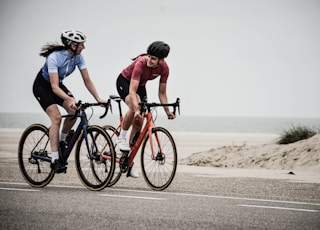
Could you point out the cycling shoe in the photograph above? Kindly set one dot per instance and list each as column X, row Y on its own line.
column 58, row 167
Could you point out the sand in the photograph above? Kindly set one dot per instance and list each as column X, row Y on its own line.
column 302, row 155
column 226, row 154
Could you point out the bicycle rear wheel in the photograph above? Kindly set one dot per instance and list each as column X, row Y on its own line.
column 159, row 170
column 95, row 172
column 35, row 142
column 113, row 133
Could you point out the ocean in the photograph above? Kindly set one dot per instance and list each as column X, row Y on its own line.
column 182, row 123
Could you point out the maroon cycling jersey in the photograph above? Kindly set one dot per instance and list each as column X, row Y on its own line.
column 138, row 70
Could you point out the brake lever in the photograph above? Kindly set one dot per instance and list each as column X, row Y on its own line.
column 177, row 104
column 110, row 106
column 106, row 110
column 74, row 116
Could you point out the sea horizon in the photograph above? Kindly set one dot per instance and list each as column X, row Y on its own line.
column 183, row 123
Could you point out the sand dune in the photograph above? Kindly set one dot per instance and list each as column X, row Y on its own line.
column 303, row 154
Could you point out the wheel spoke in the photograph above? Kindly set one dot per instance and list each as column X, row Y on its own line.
column 94, row 171
column 35, row 142
column 159, row 169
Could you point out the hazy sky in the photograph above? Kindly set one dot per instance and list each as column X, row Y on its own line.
column 228, row 57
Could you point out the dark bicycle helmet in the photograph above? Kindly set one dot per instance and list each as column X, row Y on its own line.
column 68, row 36
column 158, row 49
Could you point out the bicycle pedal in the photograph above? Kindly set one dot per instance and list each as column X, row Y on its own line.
column 128, row 172
column 58, row 167
column 61, row 170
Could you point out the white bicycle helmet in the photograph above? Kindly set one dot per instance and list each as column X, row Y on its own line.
column 68, row 36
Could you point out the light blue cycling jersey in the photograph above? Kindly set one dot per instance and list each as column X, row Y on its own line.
column 63, row 63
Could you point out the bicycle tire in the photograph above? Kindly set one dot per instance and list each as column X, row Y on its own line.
column 95, row 172
column 159, row 172
column 113, row 133
column 35, row 140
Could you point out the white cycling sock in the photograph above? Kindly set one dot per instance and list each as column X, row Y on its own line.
column 123, row 134
column 54, row 156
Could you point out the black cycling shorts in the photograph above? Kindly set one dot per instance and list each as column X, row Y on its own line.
column 43, row 92
column 123, row 85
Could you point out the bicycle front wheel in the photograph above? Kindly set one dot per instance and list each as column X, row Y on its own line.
column 159, row 159
column 95, row 172
column 33, row 158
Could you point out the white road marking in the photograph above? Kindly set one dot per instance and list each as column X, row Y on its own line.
column 281, row 208
column 20, row 189
column 54, row 186
column 134, row 197
column 179, row 194
column 216, row 197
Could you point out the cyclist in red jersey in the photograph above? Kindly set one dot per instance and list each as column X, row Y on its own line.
column 131, row 86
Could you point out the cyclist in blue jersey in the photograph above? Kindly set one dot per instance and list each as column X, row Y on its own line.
column 61, row 61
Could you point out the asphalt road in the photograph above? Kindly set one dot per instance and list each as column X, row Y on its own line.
column 193, row 201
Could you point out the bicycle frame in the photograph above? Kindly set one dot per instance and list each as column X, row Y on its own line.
column 154, row 152
column 118, row 128
column 146, row 130
column 82, row 127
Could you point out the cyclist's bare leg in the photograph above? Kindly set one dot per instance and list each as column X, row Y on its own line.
column 136, row 126
column 55, row 118
column 68, row 123
column 129, row 120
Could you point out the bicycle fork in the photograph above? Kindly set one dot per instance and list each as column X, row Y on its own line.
column 126, row 160
column 156, row 155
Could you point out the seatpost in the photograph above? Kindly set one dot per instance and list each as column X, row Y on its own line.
column 119, row 105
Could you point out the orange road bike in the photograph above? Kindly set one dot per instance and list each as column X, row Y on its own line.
column 91, row 143
column 158, row 150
